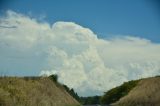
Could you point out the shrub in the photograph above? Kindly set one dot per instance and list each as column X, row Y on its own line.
column 54, row 77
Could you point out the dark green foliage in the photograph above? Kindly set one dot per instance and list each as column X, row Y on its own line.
column 54, row 77
column 74, row 94
column 116, row 93
column 111, row 96
column 90, row 100
column 83, row 100
column 157, row 76
column 71, row 92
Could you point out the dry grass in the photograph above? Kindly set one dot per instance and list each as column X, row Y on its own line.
column 146, row 93
column 33, row 92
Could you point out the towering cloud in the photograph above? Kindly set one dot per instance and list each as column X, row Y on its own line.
column 84, row 62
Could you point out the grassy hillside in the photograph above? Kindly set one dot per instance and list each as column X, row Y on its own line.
column 116, row 93
column 146, row 93
column 35, row 91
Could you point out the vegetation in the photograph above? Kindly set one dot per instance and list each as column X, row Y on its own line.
column 90, row 100
column 54, row 78
column 40, row 91
column 71, row 92
column 83, row 100
column 43, row 91
column 116, row 93
column 146, row 93
column 125, row 95
column 111, row 96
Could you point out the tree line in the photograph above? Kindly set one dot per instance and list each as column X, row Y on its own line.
column 109, row 97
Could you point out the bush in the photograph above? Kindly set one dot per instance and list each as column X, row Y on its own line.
column 54, row 77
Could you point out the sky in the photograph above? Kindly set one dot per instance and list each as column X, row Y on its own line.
column 93, row 46
column 105, row 17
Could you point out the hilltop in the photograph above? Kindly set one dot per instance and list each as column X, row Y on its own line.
column 145, row 93
column 33, row 91
column 142, row 92
column 46, row 91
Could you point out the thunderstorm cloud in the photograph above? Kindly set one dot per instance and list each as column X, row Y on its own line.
column 82, row 61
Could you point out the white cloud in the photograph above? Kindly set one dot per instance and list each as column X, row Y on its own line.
column 88, row 64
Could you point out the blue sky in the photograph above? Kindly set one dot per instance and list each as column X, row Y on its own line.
column 106, row 18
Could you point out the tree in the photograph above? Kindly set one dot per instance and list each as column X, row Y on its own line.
column 54, row 77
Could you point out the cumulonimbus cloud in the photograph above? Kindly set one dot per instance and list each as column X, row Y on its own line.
column 84, row 62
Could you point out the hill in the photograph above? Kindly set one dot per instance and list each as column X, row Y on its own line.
column 33, row 91
column 145, row 93
column 118, row 92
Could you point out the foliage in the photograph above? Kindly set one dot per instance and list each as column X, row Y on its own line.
column 71, row 92
column 116, row 93
column 83, row 100
column 111, row 96
column 54, row 77
column 90, row 100
column 157, row 76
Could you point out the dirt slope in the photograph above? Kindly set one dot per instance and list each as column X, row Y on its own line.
column 146, row 93
column 33, row 92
